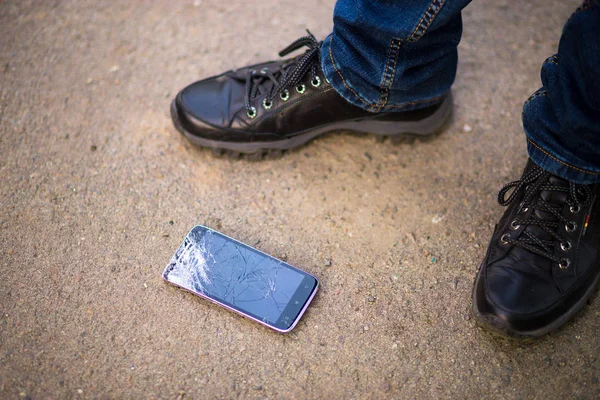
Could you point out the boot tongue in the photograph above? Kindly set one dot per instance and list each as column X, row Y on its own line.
column 554, row 198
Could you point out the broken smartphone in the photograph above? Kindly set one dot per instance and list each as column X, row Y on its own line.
column 241, row 278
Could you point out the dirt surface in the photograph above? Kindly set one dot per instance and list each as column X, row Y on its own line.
column 97, row 190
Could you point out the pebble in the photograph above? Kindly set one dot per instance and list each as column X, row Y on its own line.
column 371, row 298
column 467, row 128
column 437, row 218
column 327, row 262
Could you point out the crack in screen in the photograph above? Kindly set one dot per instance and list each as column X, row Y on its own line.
column 234, row 274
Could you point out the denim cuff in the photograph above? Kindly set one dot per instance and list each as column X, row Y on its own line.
column 383, row 63
column 560, row 168
column 343, row 86
column 335, row 77
column 562, row 118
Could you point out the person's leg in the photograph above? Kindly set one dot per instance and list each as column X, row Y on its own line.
column 562, row 118
column 386, row 69
column 543, row 261
column 391, row 56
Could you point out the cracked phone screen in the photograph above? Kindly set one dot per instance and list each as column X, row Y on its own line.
column 233, row 274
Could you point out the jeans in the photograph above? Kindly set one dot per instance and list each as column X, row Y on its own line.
column 385, row 63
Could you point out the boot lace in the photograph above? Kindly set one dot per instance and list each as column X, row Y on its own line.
column 532, row 184
column 277, row 81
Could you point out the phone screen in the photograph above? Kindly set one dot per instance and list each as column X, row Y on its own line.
column 241, row 278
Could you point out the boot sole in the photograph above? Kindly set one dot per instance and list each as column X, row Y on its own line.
column 498, row 327
column 397, row 131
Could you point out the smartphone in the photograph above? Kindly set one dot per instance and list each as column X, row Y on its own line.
column 241, row 279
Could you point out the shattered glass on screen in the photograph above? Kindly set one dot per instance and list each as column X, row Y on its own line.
column 234, row 274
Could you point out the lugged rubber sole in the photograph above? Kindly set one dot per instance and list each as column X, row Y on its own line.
column 397, row 131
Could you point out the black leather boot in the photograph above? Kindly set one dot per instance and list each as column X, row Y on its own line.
column 281, row 105
column 542, row 264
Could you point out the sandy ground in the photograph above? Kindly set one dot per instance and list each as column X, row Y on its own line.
column 97, row 190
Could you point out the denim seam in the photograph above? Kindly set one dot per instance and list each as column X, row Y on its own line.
column 537, row 93
column 413, row 103
column 586, row 5
column 553, row 59
column 342, row 77
column 371, row 105
column 560, row 161
column 394, row 53
column 583, row 7
column 426, row 20
column 388, row 77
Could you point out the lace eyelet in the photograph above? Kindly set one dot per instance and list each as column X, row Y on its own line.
column 523, row 209
column 300, row 88
column 564, row 263
column 316, row 82
column 267, row 104
column 565, row 246
column 251, row 112
column 570, row 226
column 514, row 226
column 504, row 239
column 574, row 209
column 285, row 95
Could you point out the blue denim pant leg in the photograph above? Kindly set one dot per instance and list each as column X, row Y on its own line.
column 393, row 55
column 562, row 119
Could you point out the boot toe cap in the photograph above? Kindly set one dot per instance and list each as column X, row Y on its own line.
column 207, row 108
column 514, row 303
